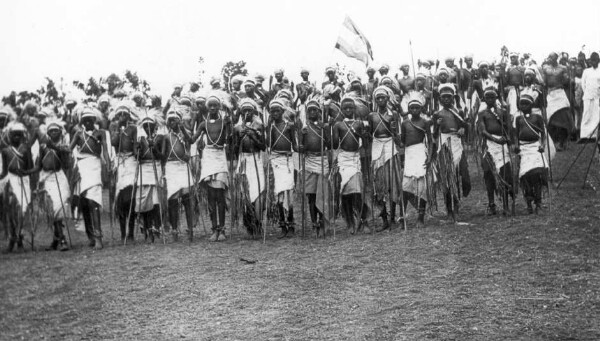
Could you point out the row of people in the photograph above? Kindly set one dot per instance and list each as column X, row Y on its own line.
column 249, row 161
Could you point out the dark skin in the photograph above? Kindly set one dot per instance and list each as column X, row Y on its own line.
column 21, row 166
column 148, row 147
column 281, row 137
column 175, row 145
column 445, row 121
column 489, row 125
column 381, row 124
column 175, row 148
column 250, row 135
column 514, row 75
column 123, row 133
column 314, row 133
column 53, row 155
column 89, row 144
column 347, row 134
column 523, row 131
column 217, row 129
column 417, row 130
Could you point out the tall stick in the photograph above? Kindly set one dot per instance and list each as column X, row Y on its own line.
column 62, row 204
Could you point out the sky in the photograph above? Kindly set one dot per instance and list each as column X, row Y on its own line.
column 162, row 40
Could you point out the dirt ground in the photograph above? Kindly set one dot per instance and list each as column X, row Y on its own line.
column 487, row 278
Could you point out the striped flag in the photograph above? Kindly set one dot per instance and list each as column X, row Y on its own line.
column 353, row 43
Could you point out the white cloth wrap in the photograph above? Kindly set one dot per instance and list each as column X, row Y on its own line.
column 381, row 151
column 283, row 172
column 214, row 161
column 455, row 144
column 127, row 168
column 20, row 188
column 511, row 98
column 178, row 178
column 312, row 164
column 147, row 194
column 90, row 179
column 255, row 173
column 56, row 185
column 556, row 99
column 415, row 170
column 498, row 152
column 590, row 118
column 531, row 158
column 415, row 157
column 349, row 165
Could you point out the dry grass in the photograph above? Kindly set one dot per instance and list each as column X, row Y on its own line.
column 521, row 278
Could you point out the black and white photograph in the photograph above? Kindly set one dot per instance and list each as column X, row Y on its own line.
column 299, row 170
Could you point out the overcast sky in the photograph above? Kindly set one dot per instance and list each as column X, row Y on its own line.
column 162, row 40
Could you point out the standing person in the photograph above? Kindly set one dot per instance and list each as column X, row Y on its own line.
column 495, row 127
column 123, row 137
column 279, row 82
column 314, row 141
column 386, row 162
column 176, row 150
column 249, row 140
column 347, row 136
column 92, row 150
column 53, row 161
column 449, row 127
column 407, row 83
column 371, row 84
column 531, row 139
column 466, row 78
column 590, row 84
column 416, row 137
column 17, row 165
column 215, row 136
column 514, row 81
column 560, row 120
column 332, row 87
column 148, row 197
column 281, row 140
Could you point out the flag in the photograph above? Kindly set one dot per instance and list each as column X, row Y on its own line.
column 353, row 43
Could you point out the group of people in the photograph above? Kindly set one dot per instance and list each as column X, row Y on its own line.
column 356, row 149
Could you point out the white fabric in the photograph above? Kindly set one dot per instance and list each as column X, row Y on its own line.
column 147, row 194
column 590, row 83
column 381, row 151
column 254, row 172
column 90, row 174
column 283, row 172
column 415, row 170
column 20, row 189
column 531, row 158
column 511, row 98
column 455, row 144
column 312, row 164
column 349, row 165
column 127, row 168
column 415, row 157
column 590, row 118
column 214, row 161
column 56, row 185
column 178, row 177
column 498, row 152
column 556, row 99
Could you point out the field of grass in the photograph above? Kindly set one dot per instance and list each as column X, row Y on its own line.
column 526, row 277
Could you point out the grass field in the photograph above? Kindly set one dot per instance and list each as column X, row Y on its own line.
column 489, row 278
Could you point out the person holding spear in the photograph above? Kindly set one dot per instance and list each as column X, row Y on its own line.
column 250, row 142
column 530, row 136
column 123, row 137
column 176, row 150
column 54, row 159
column 215, row 135
column 416, row 137
column 314, row 141
column 17, row 165
column 386, row 162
